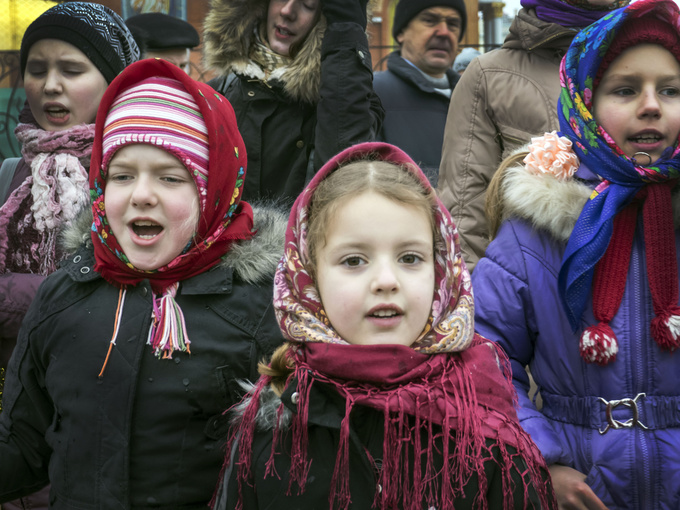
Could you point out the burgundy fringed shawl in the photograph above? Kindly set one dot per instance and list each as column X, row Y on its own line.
column 467, row 396
column 451, row 387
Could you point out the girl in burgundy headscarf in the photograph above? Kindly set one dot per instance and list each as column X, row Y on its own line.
column 384, row 394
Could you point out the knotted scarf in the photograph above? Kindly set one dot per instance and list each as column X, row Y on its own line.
column 570, row 13
column 262, row 55
column 223, row 217
column 48, row 200
column 450, row 378
column 623, row 181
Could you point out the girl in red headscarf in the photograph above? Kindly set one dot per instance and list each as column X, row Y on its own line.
column 384, row 396
column 127, row 356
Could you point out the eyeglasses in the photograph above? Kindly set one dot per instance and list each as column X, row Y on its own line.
column 431, row 19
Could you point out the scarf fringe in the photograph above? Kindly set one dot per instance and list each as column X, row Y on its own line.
column 299, row 465
column 599, row 344
column 168, row 332
column 409, row 477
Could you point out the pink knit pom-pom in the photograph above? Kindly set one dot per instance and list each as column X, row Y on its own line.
column 666, row 329
column 599, row 344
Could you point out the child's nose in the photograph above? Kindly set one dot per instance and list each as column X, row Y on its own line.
column 385, row 279
column 650, row 104
column 143, row 194
column 52, row 82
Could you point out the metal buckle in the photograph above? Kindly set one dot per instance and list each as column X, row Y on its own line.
column 628, row 424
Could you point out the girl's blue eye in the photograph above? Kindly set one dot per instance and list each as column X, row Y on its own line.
column 670, row 92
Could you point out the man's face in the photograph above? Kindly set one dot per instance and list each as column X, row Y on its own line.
column 181, row 57
column 430, row 40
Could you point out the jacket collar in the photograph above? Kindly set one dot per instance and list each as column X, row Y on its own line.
column 529, row 33
column 229, row 35
column 552, row 205
column 253, row 260
column 407, row 72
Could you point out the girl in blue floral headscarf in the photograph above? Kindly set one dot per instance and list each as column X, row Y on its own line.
column 581, row 281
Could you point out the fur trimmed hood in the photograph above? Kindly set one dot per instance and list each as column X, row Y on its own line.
column 228, row 34
column 550, row 204
column 253, row 259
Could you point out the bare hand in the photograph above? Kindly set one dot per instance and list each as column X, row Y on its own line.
column 572, row 492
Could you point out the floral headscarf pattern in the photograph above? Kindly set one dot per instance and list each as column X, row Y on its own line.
column 298, row 307
column 622, row 177
column 223, row 217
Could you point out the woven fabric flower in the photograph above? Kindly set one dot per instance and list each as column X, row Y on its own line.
column 551, row 154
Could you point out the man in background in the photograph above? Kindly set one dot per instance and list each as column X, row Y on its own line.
column 163, row 36
column 416, row 87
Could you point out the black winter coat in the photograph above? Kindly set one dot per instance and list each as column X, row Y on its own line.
column 301, row 116
column 326, row 411
column 148, row 432
column 415, row 113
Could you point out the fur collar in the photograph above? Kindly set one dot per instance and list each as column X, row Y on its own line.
column 228, row 33
column 549, row 204
column 266, row 412
column 253, row 260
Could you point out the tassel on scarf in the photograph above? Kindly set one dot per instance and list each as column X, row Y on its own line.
column 168, row 332
column 116, row 328
column 662, row 266
column 599, row 343
column 666, row 329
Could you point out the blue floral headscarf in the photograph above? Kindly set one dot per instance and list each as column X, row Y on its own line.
column 622, row 177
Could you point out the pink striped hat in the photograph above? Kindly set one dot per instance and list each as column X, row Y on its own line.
column 159, row 111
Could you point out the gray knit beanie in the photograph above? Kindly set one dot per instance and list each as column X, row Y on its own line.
column 94, row 29
column 408, row 9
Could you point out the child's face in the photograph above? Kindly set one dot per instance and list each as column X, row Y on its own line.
column 63, row 87
column 375, row 273
column 151, row 203
column 638, row 100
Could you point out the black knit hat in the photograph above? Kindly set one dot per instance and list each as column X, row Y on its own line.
column 94, row 29
column 408, row 9
column 158, row 31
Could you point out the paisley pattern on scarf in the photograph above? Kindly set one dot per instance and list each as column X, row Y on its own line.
column 301, row 316
column 622, row 177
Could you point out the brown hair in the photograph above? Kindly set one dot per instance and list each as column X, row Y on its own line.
column 390, row 180
column 279, row 368
column 493, row 206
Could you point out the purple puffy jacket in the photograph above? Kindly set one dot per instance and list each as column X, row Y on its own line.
column 634, row 464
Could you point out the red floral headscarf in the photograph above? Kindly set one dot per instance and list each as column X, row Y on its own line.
column 223, row 217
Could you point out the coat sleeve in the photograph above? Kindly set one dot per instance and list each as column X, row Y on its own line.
column 470, row 156
column 504, row 313
column 26, row 415
column 349, row 111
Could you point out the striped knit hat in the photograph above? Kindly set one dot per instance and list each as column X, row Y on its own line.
column 154, row 102
column 159, row 111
